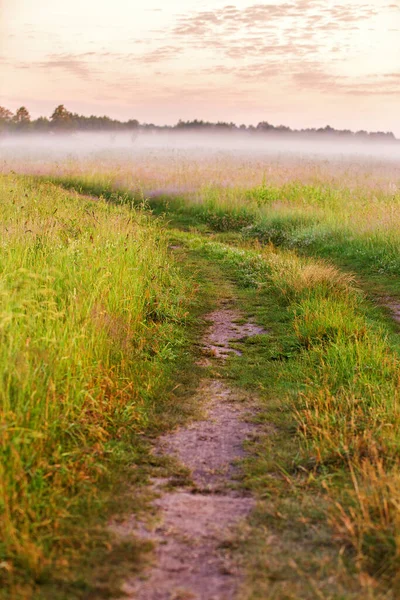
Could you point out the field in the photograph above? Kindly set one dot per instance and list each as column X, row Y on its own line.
column 109, row 261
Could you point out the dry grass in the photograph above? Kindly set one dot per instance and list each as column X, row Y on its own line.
column 370, row 518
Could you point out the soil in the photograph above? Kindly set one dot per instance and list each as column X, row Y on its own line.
column 393, row 306
column 198, row 520
column 226, row 328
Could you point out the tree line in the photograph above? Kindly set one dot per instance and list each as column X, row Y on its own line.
column 64, row 121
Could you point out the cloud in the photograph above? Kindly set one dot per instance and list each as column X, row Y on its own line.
column 376, row 85
column 295, row 31
column 297, row 77
column 85, row 64
column 251, row 71
column 161, row 54
column 306, row 44
column 75, row 64
column 68, row 63
column 263, row 17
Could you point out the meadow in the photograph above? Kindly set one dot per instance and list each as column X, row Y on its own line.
column 92, row 309
column 97, row 318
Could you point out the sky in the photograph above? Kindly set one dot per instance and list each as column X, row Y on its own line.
column 302, row 63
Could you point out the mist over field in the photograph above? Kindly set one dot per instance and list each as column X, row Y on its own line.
column 196, row 144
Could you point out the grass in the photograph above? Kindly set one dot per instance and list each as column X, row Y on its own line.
column 341, row 210
column 93, row 309
column 301, row 244
column 327, row 379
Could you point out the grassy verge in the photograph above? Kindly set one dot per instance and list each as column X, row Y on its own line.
column 359, row 229
column 327, row 471
column 92, row 329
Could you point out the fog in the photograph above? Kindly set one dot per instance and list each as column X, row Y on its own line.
column 81, row 145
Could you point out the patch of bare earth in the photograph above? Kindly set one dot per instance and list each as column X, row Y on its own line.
column 393, row 306
column 196, row 521
column 226, row 327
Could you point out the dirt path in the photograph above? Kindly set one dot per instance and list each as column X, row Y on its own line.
column 197, row 520
column 393, row 305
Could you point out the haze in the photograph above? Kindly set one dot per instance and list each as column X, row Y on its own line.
column 185, row 146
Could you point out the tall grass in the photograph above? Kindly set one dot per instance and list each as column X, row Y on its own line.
column 347, row 209
column 90, row 307
column 343, row 378
column 343, row 369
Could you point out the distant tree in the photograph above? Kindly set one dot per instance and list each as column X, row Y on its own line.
column 382, row 135
column 61, row 118
column 22, row 119
column 346, row 132
column 22, row 116
column 5, row 114
column 5, row 119
column 132, row 124
column 64, row 121
column 224, row 125
column 41, row 124
column 265, row 126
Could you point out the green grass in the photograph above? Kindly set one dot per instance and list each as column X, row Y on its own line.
column 92, row 327
column 327, row 380
column 358, row 227
column 326, row 470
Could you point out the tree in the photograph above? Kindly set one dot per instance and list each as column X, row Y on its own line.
column 5, row 114
column 5, row 118
column 265, row 126
column 61, row 118
column 22, row 116
column 22, row 119
column 132, row 124
column 41, row 124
